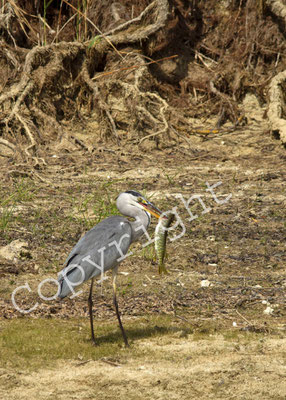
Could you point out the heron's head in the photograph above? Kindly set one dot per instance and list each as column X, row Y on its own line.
column 135, row 199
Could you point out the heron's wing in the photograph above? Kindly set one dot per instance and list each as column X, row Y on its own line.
column 96, row 252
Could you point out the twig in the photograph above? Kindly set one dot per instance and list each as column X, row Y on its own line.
column 80, row 142
column 133, row 66
column 146, row 276
column 83, row 363
column 199, row 56
column 182, row 318
column 246, row 320
column 109, row 362
column 19, row 12
column 111, row 120
column 62, row 28
column 41, row 178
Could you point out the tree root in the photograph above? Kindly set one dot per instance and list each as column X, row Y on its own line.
column 276, row 104
column 162, row 109
column 149, row 111
column 136, row 33
column 29, row 134
column 52, row 73
column 7, row 149
column 277, row 7
column 61, row 83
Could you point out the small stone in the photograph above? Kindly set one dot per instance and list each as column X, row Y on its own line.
column 12, row 250
column 205, row 283
column 268, row 310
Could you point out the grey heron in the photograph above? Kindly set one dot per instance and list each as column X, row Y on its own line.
column 104, row 246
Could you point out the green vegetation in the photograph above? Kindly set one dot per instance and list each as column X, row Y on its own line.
column 31, row 344
column 171, row 178
column 83, row 210
column 22, row 191
column 34, row 343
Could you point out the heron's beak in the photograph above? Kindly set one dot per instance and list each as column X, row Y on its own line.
column 151, row 208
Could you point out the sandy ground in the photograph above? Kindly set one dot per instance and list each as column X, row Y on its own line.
column 176, row 368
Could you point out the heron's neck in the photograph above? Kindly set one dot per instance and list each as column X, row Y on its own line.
column 140, row 225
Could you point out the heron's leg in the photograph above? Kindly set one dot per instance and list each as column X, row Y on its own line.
column 90, row 303
column 114, row 275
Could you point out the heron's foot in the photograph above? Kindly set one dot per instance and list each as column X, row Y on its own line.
column 94, row 342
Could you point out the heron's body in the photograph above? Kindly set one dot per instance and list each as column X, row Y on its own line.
column 89, row 251
column 103, row 247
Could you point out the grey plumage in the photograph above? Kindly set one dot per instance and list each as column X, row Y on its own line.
column 103, row 247
column 88, row 251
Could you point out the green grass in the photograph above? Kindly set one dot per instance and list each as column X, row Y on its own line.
column 148, row 252
column 84, row 208
column 6, row 217
column 171, row 178
column 23, row 190
column 100, row 207
column 30, row 344
column 97, row 203
column 27, row 343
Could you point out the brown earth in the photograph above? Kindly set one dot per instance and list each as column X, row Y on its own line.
column 238, row 246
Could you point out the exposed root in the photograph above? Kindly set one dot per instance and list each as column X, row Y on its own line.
column 7, row 149
column 277, row 105
column 162, row 110
column 132, row 21
column 137, row 33
column 51, row 72
column 8, row 144
column 29, row 134
column 43, row 69
column 277, row 7
column 149, row 111
column 214, row 61
column 5, row 21
column 21, row 97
